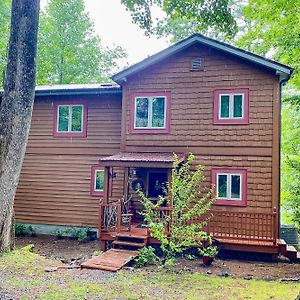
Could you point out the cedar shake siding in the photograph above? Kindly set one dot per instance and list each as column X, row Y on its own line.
column 192, row 128
column 54, row 186
column 192, row 102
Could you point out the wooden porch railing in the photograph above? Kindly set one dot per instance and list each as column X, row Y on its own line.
column 243, row 226
column 111, row 217
column 225, row 225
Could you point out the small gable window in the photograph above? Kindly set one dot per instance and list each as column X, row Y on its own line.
column 231, row 106
column 70, row 119
column 230, row 186
column 150, row 113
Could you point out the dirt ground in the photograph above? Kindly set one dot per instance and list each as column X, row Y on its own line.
column 72, row 251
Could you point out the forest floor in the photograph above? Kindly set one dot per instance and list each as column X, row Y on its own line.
column 23, row 276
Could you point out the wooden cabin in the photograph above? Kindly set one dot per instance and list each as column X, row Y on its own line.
column 98, row 142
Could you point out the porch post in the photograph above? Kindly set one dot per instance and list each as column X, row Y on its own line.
column 126, row 176
column 106, row 185
column 170, row 182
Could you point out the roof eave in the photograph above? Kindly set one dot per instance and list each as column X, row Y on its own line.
column 78, row 92
column 285, row 71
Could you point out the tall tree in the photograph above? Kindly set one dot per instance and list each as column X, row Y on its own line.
column 273, row 28
column 290, row 162
column 69, row 51
column 211, row 17
column 16, row 108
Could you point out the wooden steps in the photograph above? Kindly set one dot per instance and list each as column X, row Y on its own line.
column 128, row 244
column 288, row 251
column 111, row 260
column 129, row 240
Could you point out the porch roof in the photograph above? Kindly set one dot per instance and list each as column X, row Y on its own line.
column 141, row 159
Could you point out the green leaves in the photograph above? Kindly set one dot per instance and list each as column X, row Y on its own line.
column 273, row 27
column 69, row 51
column 184, row 17
column 290, row 164
column 182, row 227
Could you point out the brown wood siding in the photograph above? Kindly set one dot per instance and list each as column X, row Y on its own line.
column 192, row 101
column 192, row 129
column 54, row 186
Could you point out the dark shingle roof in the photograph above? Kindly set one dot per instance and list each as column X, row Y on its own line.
column 70, row 89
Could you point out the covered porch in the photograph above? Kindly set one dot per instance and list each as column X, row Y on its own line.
column 121, row 224
column 148, row 172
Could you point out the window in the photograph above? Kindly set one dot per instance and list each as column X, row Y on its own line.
column 150, row 113
column 97, row 181
column 70, row 119
column 231, row 106
column 230, row 186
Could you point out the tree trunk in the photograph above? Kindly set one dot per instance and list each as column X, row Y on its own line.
column 16, row 109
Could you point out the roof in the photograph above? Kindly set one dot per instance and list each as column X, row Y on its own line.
column 141, row 159
column 283, row 71
column 78, row 89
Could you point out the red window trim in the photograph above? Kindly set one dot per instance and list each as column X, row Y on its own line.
column 70, row 134
column 92, row 190
column 150, row 130
column 243, row 121
column 243, row 172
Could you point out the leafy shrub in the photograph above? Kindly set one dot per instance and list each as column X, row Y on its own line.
column 210, row 251
column 20, row 230
column 189, row 201
column 24, row 230
column 146, row 256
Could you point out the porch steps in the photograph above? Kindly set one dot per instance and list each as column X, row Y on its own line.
column 128, row 244
column 111, row 260
column 288, row 251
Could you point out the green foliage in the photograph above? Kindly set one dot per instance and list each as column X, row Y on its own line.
column 290, row 164
column 210, row 251
column 80, row 234
column 24, row 230
column 184, row 17
column 69, row 51
column 273, row 27
column 5, row 9
column 189, row 201
column 146, row 256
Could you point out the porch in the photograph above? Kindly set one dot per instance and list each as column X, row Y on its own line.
column 241, row 231
column 121, row 224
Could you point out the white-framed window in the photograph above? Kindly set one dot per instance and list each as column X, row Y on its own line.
column 150, row 112
column 229, row 186
column 231, row 106
column 98, row 180
column 70, row 118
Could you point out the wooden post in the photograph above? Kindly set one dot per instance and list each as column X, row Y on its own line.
column 106, row 185
column 101, row 242
column 119, row 212
column 126, row 187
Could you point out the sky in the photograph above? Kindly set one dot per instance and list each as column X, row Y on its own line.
column 114, row 26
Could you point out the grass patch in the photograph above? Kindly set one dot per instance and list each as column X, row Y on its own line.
column 22, row 275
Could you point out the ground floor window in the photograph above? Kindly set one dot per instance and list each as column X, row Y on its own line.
column 97, row 181
column 230, row 186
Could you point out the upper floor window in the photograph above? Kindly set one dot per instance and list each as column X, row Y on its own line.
column 230, row 186
column 231, row 106
column 70, row 119
column 150, row 112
